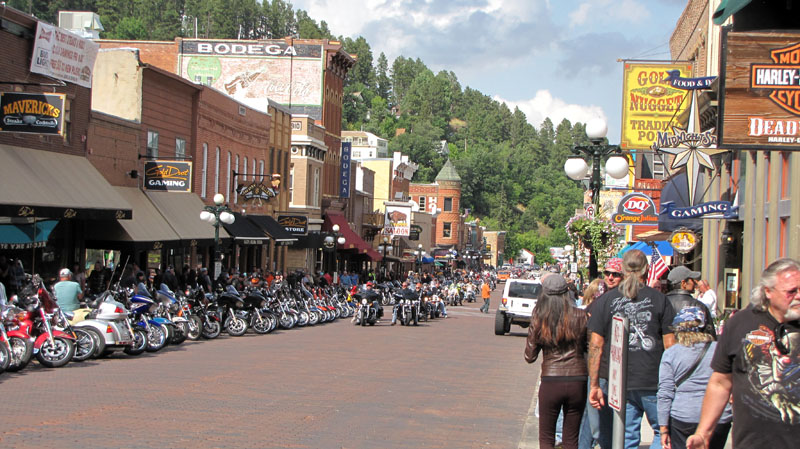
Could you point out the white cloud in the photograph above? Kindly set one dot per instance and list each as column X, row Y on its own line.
column 544, row 105
column 579, row 16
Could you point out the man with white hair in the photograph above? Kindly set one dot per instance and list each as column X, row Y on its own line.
column 68, row 292
column 757, row 360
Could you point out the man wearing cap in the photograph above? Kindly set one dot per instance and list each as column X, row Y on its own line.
column 683, row 282
column 407, row 293
column 68, row 292
column 756, row 361
column 612, row 273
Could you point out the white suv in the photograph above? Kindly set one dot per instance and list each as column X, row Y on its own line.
column 516, row 306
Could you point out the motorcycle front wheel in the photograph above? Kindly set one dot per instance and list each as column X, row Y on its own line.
column 194, row 328
column 86, row 344
column 236, row 326
column 5, row 357
column 56, row 354
column 179, row 333
column 260, row 325
column 21, row 353
column 139, row 343
column 211, row 329
column 156, row 338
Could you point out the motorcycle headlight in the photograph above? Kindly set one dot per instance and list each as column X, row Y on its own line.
column 174, row 307
column 239, row 304
column 263, row 303
column 364, row 301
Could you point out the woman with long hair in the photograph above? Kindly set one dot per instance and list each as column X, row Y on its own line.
column 558, row 330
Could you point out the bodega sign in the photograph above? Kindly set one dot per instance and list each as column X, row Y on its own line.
column 168, row 176
column 760, row 105
column 636, row 209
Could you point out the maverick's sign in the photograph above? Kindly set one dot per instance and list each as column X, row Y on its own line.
column 760, row 107
column 32, row 113
column 168, row 176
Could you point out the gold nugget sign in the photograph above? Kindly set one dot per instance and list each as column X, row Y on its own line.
column 32, row 113
column 168, row 176
column 760, row 105
column 649, row 102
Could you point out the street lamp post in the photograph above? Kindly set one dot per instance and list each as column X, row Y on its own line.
column 384, row 248
column 329, row 243
column 576, row 168
column 215, row 215
column 418, row 254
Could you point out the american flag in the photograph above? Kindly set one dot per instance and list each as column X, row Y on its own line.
column 657, row 266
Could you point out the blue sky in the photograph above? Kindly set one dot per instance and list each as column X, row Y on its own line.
column 551, row 58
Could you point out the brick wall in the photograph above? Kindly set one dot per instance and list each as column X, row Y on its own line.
column 163, row 55
column 688, row 41
column 113, row 144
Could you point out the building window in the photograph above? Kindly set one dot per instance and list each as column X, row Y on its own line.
column 216, row 174
column 235, row 192
column 422, row 203
column 253, row 172
column 285, row 166
column 446, row 229
column 152, row 143
column 228, row 178
column 261, row 169
column 180, row 148
column 316, row 188
column 291, row 184
column 448, row 205
column 204, row 173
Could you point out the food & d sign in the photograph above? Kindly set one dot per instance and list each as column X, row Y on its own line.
column 168, row 176
column 636, row 209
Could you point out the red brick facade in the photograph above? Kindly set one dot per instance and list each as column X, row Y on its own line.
column 439, row 193
column 113, row 144
column 688, row 41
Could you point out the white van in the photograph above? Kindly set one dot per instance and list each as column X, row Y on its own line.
column 516, row 306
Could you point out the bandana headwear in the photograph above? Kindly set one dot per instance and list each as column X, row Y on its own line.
column 614, row 264
column 689, row 315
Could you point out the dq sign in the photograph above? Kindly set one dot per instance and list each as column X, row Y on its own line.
column 636, row 209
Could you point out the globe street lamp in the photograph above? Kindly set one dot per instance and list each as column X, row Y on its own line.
column 576, row 168
column 384, row 248
column 219, row 213
column 329, row 243
column 418, row 254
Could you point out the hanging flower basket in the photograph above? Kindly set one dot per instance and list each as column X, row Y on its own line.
column 598, row 234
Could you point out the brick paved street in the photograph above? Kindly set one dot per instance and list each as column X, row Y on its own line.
column 446, row 384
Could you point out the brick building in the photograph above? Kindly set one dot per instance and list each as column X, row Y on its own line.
column 442, row 198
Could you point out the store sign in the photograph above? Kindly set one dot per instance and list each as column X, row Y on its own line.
column 344, row 177
column 636, row 209
column 724, row 209
column 62, row 55
column 414, row 232
column 256, row 191
column 168, row 176
column 32, row 113
column 294, row 224
column 650, row 103
column 760, row 101
column 398, row 221
column 683, row 240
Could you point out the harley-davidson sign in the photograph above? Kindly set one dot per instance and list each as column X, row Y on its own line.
column 760, row 107
column 168, row 176
column 32, row 113
column 636, row 209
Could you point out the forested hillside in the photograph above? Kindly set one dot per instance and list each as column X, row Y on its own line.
column 512, row 173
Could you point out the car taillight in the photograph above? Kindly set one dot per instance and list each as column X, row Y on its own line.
column 109, row 330
column 505, row 301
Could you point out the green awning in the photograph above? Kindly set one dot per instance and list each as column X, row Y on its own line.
column 727, row 8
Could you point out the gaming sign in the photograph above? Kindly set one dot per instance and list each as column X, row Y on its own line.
column 760, row 102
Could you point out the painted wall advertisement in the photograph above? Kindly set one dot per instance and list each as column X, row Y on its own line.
column 169, row 176
column 62, row 55
column 398, row 221
column 254, row 72
column 760, row 105
column 32, row 113
column 650, row 103
column 344, row 177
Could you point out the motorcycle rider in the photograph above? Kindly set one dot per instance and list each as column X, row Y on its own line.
column 407, row 293
column 372, row 296
column 68, row 292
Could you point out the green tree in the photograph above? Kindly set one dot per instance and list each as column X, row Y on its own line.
column 130, row 28
column 383, row 83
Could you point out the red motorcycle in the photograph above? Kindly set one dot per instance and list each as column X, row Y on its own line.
column 17, row 341
column 53, row 348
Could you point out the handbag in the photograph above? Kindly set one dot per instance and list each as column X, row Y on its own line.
column 691, row 371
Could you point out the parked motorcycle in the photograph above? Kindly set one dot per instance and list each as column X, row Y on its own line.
column 52, row 347
column 18, row 342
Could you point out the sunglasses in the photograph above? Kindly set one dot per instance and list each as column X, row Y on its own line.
column 612, row 274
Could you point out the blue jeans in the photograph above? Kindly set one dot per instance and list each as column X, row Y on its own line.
column 641, row 402
column 590, row 428
column 606, row 415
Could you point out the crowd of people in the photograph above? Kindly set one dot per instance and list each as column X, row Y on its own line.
column 688, row 380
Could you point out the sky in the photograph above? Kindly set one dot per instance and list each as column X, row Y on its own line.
column 550, row 58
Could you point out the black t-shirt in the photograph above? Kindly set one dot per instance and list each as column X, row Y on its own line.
column 766, row 383
column 650, row 317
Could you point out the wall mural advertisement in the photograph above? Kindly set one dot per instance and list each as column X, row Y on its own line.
column 649, row 102
column 760, row 101
column 253, row 72
column 398, row 221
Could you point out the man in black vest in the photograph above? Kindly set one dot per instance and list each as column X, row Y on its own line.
column 683, row 282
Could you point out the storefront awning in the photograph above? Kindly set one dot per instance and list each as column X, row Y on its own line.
column 25, row 235
column 728, row 8
column 245, row 232
column 664, row 248
column 311, row 240
column 352, row 240
column 273, row 229
column 45, row 184
column 182, row 212
column 147, row 224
